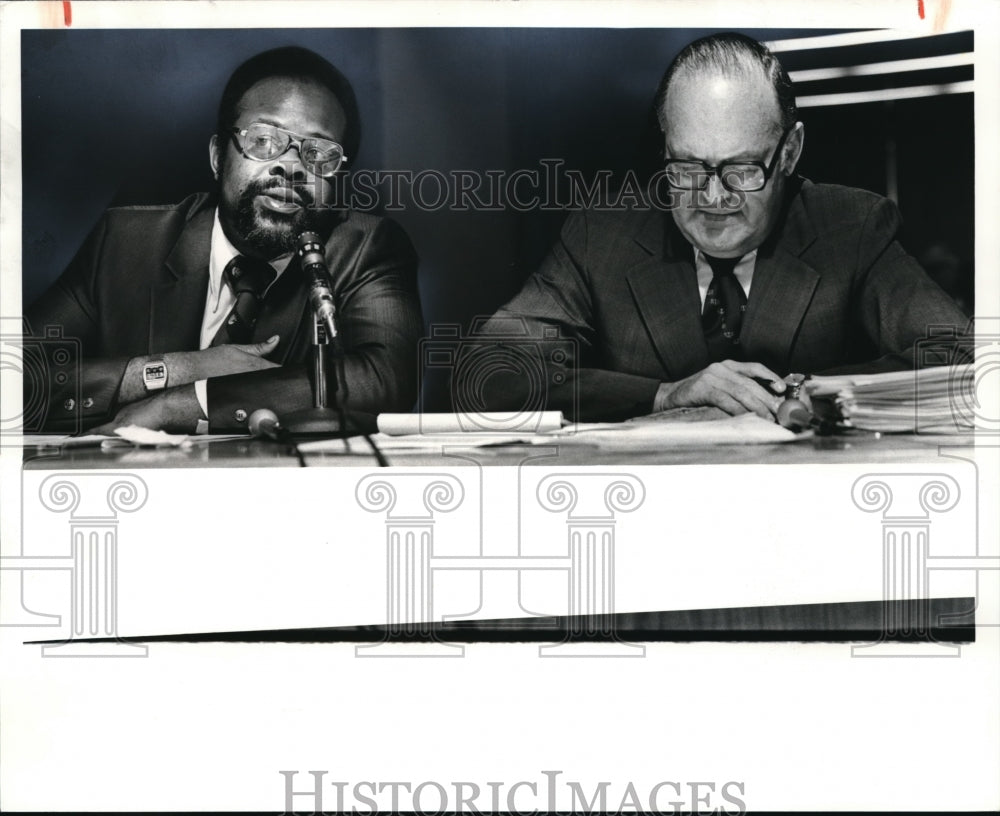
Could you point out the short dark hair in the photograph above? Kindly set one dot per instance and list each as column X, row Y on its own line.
column 292, row 62
column 731, row 54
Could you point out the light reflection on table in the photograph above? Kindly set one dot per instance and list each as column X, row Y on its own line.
column 840, row 449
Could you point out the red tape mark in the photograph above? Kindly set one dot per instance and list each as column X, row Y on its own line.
column 920, row 8
column 68, row 12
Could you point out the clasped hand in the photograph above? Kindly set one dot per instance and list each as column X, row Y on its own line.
column 728, row 385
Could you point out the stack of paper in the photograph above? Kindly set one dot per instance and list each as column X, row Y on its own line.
column 930, row 400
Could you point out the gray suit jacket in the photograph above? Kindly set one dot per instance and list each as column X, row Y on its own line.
column 832, row 291
column 138, row 287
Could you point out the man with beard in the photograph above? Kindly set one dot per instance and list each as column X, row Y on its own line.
column 193, row 316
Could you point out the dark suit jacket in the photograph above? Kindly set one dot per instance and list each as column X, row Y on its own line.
column 138, row 286
column 832, row 291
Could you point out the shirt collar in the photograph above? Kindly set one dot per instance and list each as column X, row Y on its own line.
column 743, row 270
column 222, row 252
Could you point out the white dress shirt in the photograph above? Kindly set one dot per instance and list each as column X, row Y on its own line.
column 220, row 300
column 743, row 271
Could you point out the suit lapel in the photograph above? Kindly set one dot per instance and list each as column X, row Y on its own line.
column 177, row 303
column 782, row 288
column 783, row 285
column 666, row 294
column 665, row 289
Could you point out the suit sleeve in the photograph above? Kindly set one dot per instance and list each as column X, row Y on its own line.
column 555, row 307
column 897, row 304
column 68, row 382
column 379, row 324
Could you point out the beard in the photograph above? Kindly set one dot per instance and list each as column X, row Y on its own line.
column 275, row 233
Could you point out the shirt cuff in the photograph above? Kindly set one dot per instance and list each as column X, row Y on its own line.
column 201, row 392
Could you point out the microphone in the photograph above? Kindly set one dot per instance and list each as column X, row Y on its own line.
column 310, row 250
column 794, row 415
column 264, row 422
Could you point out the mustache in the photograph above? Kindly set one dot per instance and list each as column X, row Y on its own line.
column 274, row 232
column 297, row 193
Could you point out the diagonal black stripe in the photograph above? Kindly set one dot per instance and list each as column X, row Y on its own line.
column 952, row 620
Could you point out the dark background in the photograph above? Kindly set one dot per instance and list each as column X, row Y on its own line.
column 124, row 117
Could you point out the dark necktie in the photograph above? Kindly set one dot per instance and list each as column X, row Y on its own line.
column 722, row 317
column 248, row 279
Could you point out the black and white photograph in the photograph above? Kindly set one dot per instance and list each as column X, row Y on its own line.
column 639, row 358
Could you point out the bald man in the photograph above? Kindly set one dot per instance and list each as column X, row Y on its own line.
column 753, row 275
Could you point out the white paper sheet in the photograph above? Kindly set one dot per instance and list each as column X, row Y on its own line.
column 488, row 422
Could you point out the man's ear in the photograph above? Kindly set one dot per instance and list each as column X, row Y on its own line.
column 793, row 148
column 214, row 157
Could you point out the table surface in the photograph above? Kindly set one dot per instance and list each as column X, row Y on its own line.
column 853, row 447
column 828, row 622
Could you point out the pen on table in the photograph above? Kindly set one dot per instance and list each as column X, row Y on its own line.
column 767, row 384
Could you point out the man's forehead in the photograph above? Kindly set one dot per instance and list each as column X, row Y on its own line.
column 293, row 102
column 717, row 117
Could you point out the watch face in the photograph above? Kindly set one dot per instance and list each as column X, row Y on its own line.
column 154, row 375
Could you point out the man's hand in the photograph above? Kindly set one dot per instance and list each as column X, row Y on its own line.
column 175, row 410
column 185, row 367
column 728, row 385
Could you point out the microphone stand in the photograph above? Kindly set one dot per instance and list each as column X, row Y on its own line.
column 321, row 353
column 322, row 420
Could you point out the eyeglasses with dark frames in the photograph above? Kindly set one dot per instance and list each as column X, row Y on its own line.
column 736, row 176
